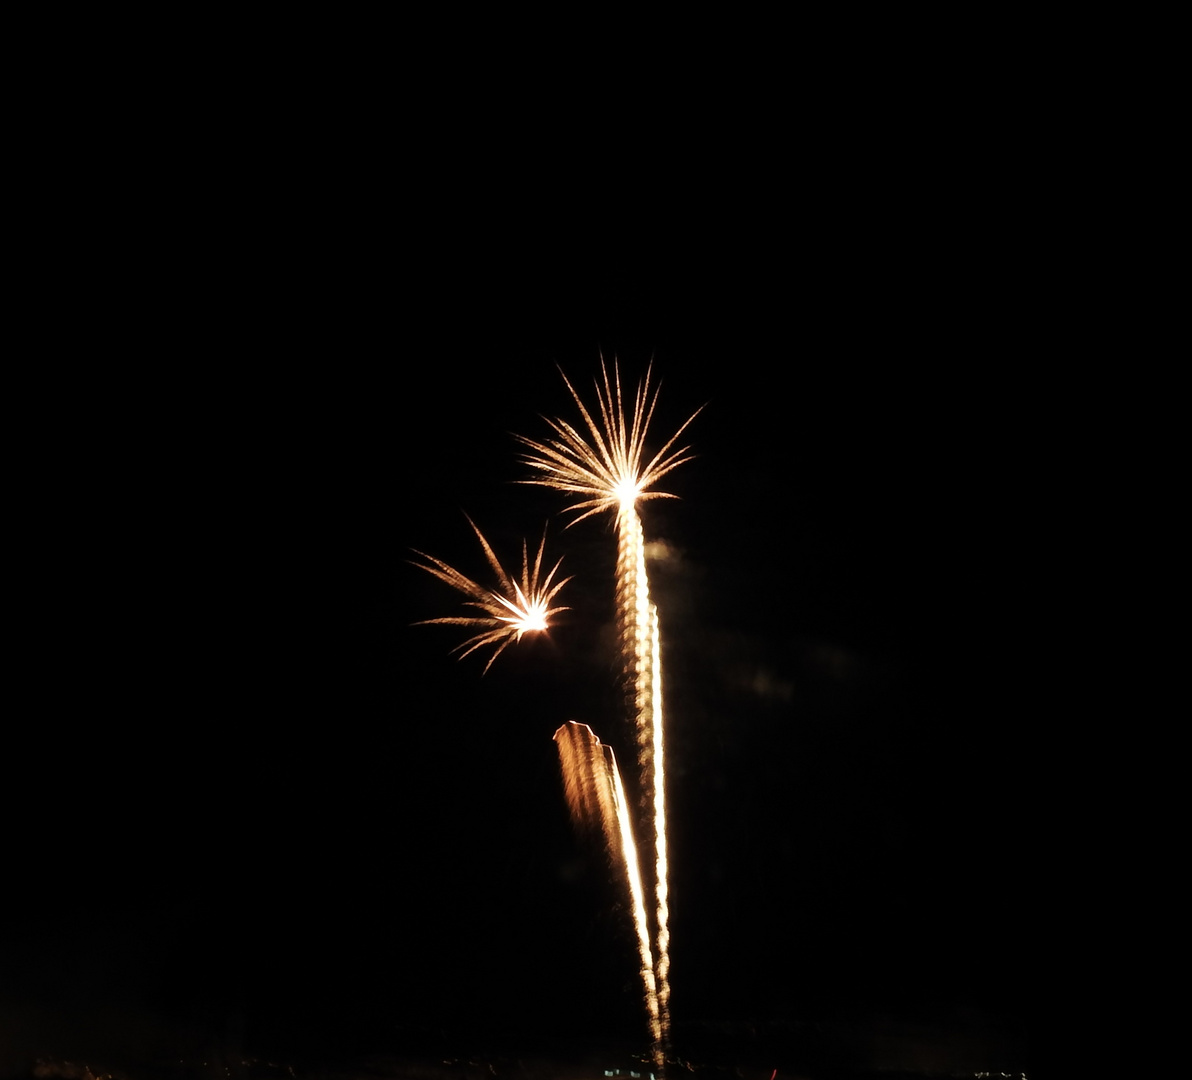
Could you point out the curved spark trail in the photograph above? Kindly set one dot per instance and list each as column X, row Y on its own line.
column 592, row 784
column 587, row 766
column 604, row 469
column 521, row 607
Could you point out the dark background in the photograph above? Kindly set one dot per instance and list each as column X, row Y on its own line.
column 252, row 804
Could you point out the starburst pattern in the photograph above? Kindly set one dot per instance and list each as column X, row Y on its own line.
column 606, row 469
column 519, row 608
column 603, row 470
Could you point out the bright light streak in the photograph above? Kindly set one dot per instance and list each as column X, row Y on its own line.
column 592, row 783
column 587, row 782
column 661, row 869
column 604, row 470
column 658, row 1033
column 520, row 607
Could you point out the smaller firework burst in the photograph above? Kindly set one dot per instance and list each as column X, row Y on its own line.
column 520, row 607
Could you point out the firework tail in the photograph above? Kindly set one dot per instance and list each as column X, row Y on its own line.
column 642, row 667
column 592, row 785
column 598, row 465
column 587, row 782
column 661, row 866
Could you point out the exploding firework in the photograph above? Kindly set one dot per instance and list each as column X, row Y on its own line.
column 520, row 607
column 604, row 470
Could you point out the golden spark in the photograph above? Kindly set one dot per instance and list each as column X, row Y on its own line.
column 606, row 470
column 592, row 784
column 520, row 607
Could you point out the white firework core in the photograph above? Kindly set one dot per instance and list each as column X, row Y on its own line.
column 520, row 607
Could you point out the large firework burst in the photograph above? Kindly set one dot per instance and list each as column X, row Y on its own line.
column 605, row 469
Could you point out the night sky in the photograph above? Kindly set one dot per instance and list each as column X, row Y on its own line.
column 265, row 802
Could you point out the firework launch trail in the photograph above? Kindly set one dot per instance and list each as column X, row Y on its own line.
column 603, row 468
column 592, row 784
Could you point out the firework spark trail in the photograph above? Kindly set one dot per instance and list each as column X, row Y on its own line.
column 592, row 783
column 633, row 619
column 658, row 1034
column 587, row 782
column 642, row 657
column 661, row 868
column 604, row 470
column 521, row 607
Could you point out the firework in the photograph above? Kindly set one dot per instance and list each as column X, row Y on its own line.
column 603, row 470
column 606, row 469
column 592, row 784
column 588, row 786
column 519, row 608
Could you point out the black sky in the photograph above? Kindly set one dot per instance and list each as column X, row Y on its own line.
column 264, row 793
